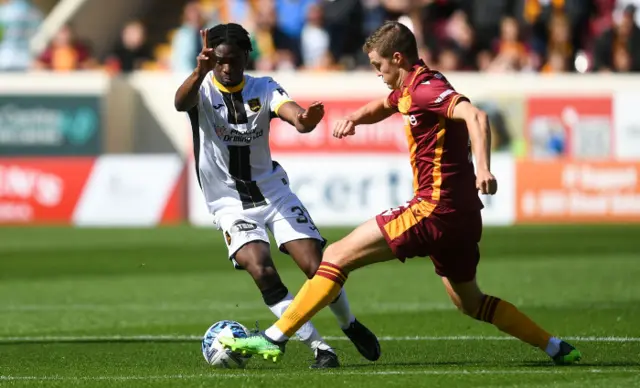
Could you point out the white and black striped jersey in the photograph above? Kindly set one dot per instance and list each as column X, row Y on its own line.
column 231, row 143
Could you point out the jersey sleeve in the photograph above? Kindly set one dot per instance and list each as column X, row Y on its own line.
column 277, row 96
column 393, row 99
column 437, row 95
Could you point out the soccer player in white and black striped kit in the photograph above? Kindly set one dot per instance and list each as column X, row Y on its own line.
column 245, row 190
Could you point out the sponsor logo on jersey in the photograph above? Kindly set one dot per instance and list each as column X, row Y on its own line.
column 443, row 95
column 410, row 120
column 239, row 137
column 254, row 104
column 242, row 226
column 234, row 136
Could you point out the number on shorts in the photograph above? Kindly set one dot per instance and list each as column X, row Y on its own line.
column 302, row 218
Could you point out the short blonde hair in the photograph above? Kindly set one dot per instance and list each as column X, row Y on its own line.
column 390, row 38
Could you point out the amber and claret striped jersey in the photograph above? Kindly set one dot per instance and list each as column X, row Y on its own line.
column 439, row 147
column 231, row 143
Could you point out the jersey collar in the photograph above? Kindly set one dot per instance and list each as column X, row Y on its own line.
column 231, row 89
column 418, row 68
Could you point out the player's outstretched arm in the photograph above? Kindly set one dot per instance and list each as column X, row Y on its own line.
column 303, row 120
column 480, row 134
column 371, row 113
column 187, row 94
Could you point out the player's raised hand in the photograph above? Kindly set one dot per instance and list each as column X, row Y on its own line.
column 486, row 182
column 344, row 128
column 312, row 116
column 205, row 61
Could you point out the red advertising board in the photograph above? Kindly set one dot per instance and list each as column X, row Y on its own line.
column 387, row 137
column 41, row 190
column 572, row 127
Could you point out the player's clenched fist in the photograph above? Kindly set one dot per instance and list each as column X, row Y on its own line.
column 312, row 116
column 486, row 182
column 205, row 61
column 344, row 128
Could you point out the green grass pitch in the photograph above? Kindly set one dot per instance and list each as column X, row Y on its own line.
column 127, row 308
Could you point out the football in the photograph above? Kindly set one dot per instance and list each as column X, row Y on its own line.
column 213, row 351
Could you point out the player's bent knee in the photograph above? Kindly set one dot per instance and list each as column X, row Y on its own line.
column 465, row 295
column 310, row 268
column 261, row 269
column 335, row 255
column 458, row 305
column 470, row 305
column 307, row 253
column 310, row 263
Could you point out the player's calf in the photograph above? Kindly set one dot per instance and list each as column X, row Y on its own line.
column 256, row 259
column 507, row 318
column 278, row 300
column 308, row 254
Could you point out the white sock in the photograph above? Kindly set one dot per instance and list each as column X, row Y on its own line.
column 319, row 345
column 341, row 309
column 553, row 347
column 307, row 333
column 275, row 334
column 279, row 308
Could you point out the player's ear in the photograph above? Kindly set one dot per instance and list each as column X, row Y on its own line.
column 396, row 58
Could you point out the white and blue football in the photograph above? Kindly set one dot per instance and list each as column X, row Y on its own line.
column 215, row 353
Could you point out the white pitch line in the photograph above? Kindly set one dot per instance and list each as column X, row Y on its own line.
column 26, row 308
column 281, row 375
column 491, row 338
column 185, row 338
column 213, row 307
column 378, row 307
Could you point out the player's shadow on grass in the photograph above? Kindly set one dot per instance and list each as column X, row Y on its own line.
column 409, row 364
column 485, row 364
column 538, row 364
